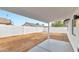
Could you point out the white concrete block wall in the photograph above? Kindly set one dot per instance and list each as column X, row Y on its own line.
column 10, row 30
column 17, row 30
column 57, row 29
column 32, row 29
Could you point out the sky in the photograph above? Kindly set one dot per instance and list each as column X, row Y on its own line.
column 18, row 19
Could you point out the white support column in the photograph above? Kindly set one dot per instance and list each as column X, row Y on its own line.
column 48, row 30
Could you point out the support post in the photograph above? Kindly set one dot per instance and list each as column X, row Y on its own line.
column 48, row 30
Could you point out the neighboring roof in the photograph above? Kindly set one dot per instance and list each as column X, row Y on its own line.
column 45, row 14
column 31, row 24
column 66, row 19
column 66, row 22
column 5, row 21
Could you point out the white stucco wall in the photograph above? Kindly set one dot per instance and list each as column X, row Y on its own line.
column 74, row 39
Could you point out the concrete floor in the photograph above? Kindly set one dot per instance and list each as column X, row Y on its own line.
column 51, row 45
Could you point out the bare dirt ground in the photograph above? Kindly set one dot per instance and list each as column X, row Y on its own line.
column 59, row 36
column 20, row 43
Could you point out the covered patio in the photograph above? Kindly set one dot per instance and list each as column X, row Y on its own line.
column 39, row 41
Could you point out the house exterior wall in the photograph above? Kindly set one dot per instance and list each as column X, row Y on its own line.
column 74, row 39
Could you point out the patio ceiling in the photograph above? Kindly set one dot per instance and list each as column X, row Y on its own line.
column 45, row 14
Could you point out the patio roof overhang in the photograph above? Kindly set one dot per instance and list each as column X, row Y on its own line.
column 45, row 14
column 5, row 21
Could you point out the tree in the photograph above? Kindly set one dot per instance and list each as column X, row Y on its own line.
column 58, row 23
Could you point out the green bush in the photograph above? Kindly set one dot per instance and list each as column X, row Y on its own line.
column 58, row 24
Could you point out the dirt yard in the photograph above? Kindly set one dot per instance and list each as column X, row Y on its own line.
column 20, row 43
